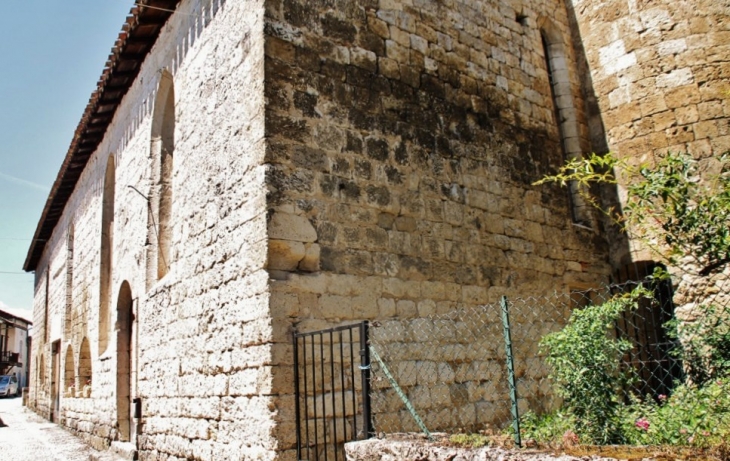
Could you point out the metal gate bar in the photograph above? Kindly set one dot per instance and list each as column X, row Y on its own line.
column 311, row 383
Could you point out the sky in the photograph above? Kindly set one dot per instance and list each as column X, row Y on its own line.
column 52, row 53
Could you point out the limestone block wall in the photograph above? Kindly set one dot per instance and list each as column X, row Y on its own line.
column 659, row 70
column 402, row 141
column 200, row 352
column 660, row 73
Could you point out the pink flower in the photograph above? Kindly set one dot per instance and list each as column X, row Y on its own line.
column 691, row 439
column 683, row 431
column 662, row 397
column 643, row 424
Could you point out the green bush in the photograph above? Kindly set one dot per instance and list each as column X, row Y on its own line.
column 705, row 343
column 547, row 428
column 682, row 216
column 586, row 367
column 694, row 415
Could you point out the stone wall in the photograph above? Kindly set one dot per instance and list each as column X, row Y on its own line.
column 342, row 160
column 200, row 343
column 403, row 138
column 660, row 71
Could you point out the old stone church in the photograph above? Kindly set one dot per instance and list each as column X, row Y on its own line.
column 248, row 167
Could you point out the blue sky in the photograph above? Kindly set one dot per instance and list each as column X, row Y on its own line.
column 51, row 55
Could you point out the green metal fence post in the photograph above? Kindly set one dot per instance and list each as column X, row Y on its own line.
column 398, row 390
column 511, row 371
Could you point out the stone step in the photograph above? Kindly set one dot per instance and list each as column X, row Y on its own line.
column 118, row 451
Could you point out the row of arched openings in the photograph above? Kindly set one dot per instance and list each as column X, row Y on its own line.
column 160, row 200
column 77, row 373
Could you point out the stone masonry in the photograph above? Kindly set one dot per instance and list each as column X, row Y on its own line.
column 660, row 73
column 281, row 165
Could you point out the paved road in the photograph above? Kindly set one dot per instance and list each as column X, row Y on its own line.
column 28, row 437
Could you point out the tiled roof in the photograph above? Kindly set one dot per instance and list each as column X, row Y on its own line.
column 138, row 35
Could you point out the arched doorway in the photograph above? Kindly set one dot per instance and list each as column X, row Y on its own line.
column 125, row 347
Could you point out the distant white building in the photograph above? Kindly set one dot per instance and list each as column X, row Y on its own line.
column 14, row 346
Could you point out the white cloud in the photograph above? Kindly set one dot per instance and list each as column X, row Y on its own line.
column 25, row 314
column 24, row 182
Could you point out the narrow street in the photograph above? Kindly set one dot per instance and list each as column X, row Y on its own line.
column 25, row 436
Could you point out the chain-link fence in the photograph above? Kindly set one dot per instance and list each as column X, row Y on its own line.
column 474, row 369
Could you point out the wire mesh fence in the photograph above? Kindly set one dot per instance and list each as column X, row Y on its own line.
column 475, row 369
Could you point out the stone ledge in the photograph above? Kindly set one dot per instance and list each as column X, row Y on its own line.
column 395, row 450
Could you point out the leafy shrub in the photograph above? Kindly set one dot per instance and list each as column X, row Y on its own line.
column 586, row 367
column 666, row 203
column 680, row 215
column 547, row 428
column 693, row 415
column 705, row 344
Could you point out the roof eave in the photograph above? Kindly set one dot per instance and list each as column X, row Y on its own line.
column 139, row 34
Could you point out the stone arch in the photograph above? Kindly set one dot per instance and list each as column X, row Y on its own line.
column 564, row 109
column 550, row 31
column 107, row 241
column 69, row 371
column 69, row 280
column 84, row 364
column 125, row 319
column 162, row 148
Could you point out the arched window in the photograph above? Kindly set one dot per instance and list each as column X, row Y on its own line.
column 566, row 116
column 107, row 240
column 84, row 373
column 69, row 378
column 69, row 280
column 162, row 149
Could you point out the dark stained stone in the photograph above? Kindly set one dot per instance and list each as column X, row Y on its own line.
column 306, row 103
column 378, row 194
column 354, row 143
column 279, row 125
column 309, row 158
column 350, row 189
column 394, row 176
column 326, row 232
column 363, row 169
column 377, row 149
column 338, row 29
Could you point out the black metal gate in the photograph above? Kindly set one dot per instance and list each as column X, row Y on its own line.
column 332, row 390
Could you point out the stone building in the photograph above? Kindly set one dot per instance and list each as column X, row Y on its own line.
column 250, row 167
column 15, row 346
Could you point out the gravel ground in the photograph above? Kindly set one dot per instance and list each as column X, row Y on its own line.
column 26, row 436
